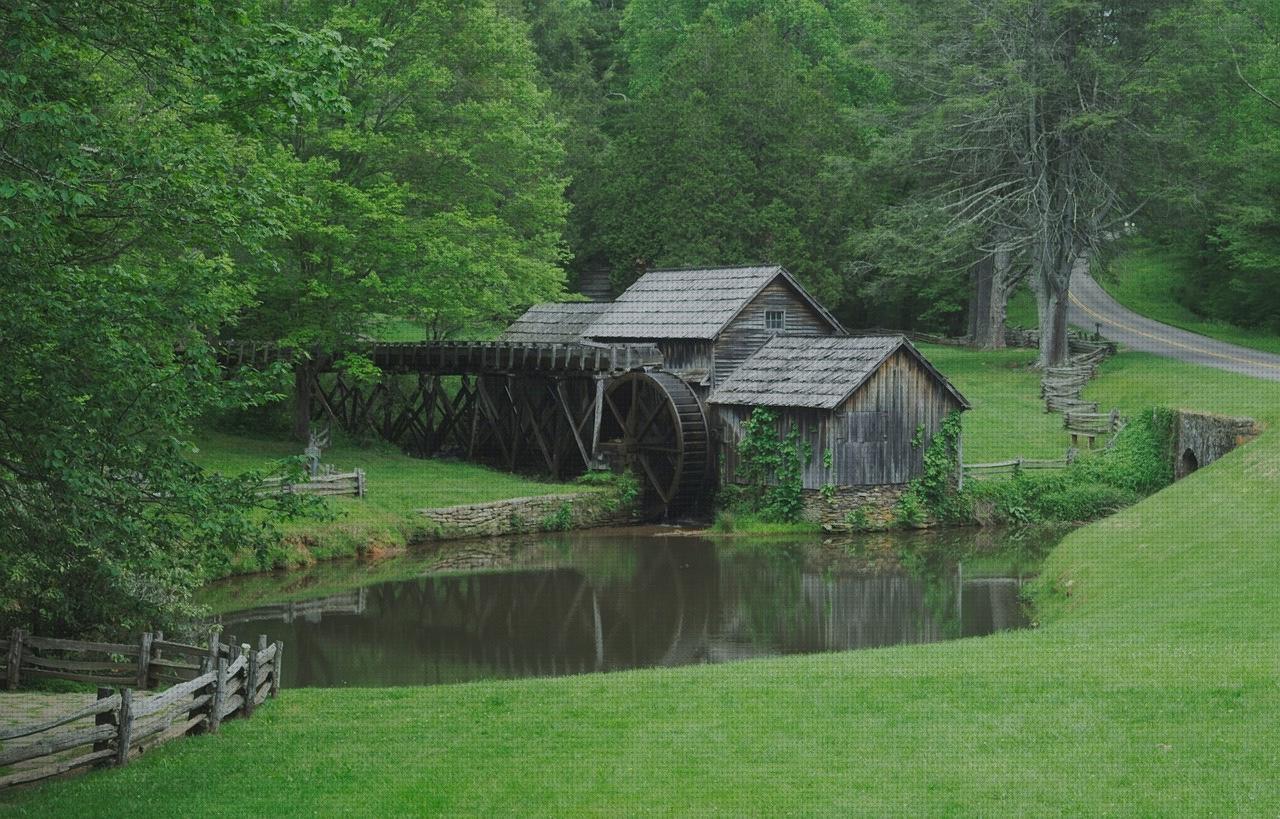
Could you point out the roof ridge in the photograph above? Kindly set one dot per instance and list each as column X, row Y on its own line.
column 691, row 268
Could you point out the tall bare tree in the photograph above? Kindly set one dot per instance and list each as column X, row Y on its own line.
column 1027, row 113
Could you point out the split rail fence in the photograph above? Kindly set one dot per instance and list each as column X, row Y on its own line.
column 336, row 483
column 206, row 685
column 1016, row 466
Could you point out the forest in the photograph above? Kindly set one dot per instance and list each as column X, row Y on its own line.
column 174, row 175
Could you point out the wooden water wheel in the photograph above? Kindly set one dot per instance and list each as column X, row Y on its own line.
column 655, row 425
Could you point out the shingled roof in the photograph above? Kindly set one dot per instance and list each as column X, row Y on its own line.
column 554, row 322
column 692, row 303
column 822, row 372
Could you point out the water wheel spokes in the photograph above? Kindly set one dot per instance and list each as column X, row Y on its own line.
column 657, row 428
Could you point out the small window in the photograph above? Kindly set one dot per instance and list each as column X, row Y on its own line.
column 775, row 319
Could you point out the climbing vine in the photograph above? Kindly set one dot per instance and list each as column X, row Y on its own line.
column 935, row 493
column 772, row 467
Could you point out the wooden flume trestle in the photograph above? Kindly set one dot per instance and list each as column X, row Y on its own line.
column 557, row 409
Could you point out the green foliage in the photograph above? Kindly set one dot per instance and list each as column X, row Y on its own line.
column 735, row 140
column 729, row 522
column 933, row 494
column 1139, row 463
column 431, row 194
column 623, row 487
column 858, row 519
column 134, row 204
column 560, row 520
column 770, row 469
column 828, row 492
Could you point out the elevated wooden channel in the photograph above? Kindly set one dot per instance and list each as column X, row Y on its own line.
column 557, row 408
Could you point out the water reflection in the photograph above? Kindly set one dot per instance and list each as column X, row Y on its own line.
column 601, row 602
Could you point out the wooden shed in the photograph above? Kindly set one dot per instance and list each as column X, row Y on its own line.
column 707, row 321
column 862, row 398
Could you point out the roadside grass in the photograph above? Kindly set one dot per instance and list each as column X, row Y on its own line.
column 1007, row 418
column 1150, row 687
column 396, row 486
column 1145, row 279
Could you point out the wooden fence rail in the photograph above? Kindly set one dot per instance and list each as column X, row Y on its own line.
column 151, row 662
column 336, row 483
column 1013, row 467
column 126, row 723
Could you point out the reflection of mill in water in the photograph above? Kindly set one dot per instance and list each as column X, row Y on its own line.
column 663, row 605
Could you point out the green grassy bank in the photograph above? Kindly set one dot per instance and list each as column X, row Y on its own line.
column 396, row 486
column 1152, row 686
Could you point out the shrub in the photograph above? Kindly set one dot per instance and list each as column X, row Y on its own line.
column 1138, row 463
column 559, row 521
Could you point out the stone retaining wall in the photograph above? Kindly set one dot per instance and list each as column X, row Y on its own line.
column 1200, row 439
column 543, row 513
column 852, row 508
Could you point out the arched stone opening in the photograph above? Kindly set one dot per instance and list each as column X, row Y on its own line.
column 1188, row 463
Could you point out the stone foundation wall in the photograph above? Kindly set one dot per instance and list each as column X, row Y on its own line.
column 516, row 516
column 1200, row 439
column 852, row 508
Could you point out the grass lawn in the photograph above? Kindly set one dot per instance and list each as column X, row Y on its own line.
column 1007, row 419
column 396, row 486
column 1152, row 686
column 1144, row 279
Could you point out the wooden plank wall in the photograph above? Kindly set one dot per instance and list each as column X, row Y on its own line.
column 869, row 436
column 746, row 333
column 690, row 356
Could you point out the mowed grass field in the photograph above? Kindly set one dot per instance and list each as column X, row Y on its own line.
column 1150, row 687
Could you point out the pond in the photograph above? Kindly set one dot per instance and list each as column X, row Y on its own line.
column 626, row 598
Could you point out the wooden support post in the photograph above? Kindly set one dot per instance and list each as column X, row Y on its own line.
column 250, row 688
column 595, row 429
column 124, row 732
column 219, row 694
column 275, row 668
column 144, row 659
column 105, row 718
column 14, row 661
column 573, row 426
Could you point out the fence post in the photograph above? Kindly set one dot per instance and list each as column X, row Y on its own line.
column 156, row 654
column 105, row 718
column 205, row 667
column 360, row 483
column 124, row 732
column 250, row 683
column 213, row 645
column 14, row 661
column 275, row 668
column 144, row 658
column 219, row 692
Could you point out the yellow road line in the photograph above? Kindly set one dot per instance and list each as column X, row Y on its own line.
column 1171, row 342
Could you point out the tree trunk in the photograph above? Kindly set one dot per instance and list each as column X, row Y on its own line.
column 302, row 401
column 1054, row 351
column 989, row 300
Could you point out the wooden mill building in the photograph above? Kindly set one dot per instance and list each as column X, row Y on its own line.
column 746, row 337
column 858, row 399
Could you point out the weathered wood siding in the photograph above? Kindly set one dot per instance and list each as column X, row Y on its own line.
column 747, row 333
column 691, row 359
column 869, row 435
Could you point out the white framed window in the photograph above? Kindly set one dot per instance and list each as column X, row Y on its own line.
column 775, row 319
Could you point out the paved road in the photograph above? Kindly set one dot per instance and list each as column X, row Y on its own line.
column 1092, row 306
